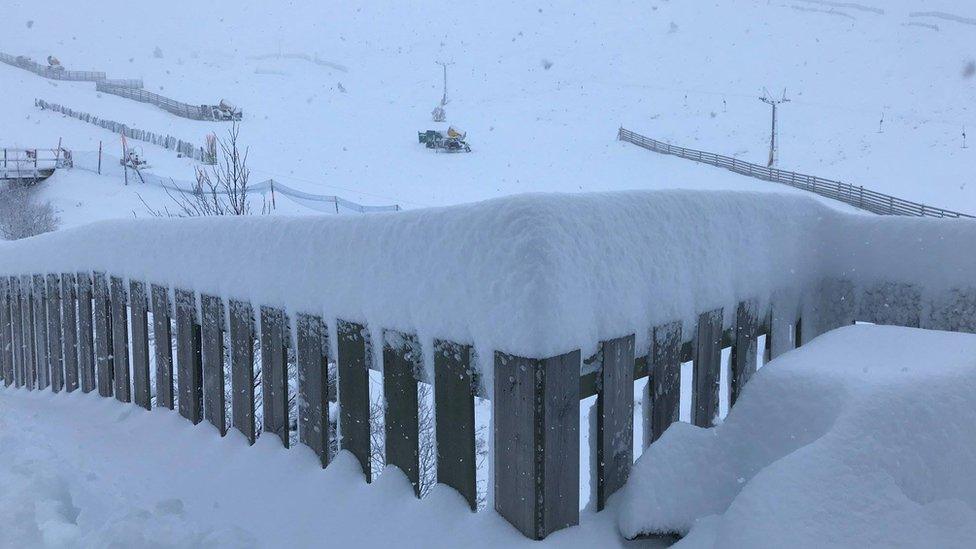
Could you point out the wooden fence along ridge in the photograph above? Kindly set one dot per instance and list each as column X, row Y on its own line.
column 128, row 88
column 856, row 196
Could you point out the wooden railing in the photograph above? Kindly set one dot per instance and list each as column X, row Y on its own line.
column 32, row 164
column 856, row 196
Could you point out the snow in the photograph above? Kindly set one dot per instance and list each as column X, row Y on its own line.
column 82, row 471
column 532, row 129
column 535, row 275
column 861, row 438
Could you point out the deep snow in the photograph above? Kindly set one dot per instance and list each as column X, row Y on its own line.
column 679, row 71
column 861, row 438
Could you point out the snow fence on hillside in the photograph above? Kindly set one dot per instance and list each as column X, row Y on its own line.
column 535, row 301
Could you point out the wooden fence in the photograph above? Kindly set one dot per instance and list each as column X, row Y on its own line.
column 184, row 148
column 856, row 196
column 91, row 331
column 130, row 88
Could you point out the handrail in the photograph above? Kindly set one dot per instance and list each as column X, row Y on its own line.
column 854, row 195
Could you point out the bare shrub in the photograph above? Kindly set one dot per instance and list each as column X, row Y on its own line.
column 220, row 189
column 22, row 215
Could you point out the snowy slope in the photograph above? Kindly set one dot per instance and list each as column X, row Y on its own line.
column 862, row 438
column 676, row 70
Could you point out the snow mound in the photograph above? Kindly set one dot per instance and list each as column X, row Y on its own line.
column 862, row 438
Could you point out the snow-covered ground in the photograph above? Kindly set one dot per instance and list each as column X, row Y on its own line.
column 673, row 70
column 862, row 438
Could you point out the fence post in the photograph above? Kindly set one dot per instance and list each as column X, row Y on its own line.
column 744, row 348
column 162, row 335
column 242, row 367
column 615, row 417
column 274, row 372
column 42, row 360
column 55, row 339
column 120, row 342
column 6, row 337
column 17, row 331
column 536, row 421
column 355, row 356
column 138, row 314
column 69, row 308
column 706, row 373
column 664, row 381
column 189, row 375
column 212, row 361
column 86, row 338
column 313, row 384
column 455, row 387
column 103, row 335
column 402, row 370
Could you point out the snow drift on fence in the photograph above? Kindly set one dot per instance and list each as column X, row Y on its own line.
column 862, row 438
column 536, row 274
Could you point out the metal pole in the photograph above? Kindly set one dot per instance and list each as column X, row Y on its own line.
column 99, row 158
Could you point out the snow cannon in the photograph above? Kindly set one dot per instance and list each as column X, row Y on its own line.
column 225, row 110
column 450, row 141
column 54, row 64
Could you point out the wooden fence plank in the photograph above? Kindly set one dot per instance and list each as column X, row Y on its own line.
column 103, row 335
column 744, row 348
column 189, row 376
column 163, row 339
column 707, row 371
column 6, row 337
column 212, row 355
column 353, row 364
column 402, row 368
column 664, row 383
column 69, row 308
column 536, row 413
column 138, row 313
column 313, row 385
column 242, row 367
column 455, row 387
column 55, row 337
column 274, row 372
column 86, row 337
column 120, row 341
column 27, row 321
column 17, row 331
column 615, row 418
column 41, row 358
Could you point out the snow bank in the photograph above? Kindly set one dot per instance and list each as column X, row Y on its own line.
column 862, row 438
column 536, row 274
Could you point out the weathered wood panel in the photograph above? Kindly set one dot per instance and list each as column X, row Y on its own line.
column 139, row 318
column 163, row 338
column 120, row 341
column 536, row 417
column 744, row 348
column 6, row 334
column 242, row 367
column 69, row 316
column 27, row 321
column 707, row 371
column 55, row 337
column 16, row 331
column 274, row 372
column 313, row 385
column 86, row 337
column 664, row 383
column 212, row 349
column 42, row 362
column 615, row 418
column 402, row 367
column 455, row 387
column 354, row 360
column 103, row 335
column 189, row 375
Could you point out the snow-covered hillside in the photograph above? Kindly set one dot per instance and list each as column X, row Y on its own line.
column 541, row 88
